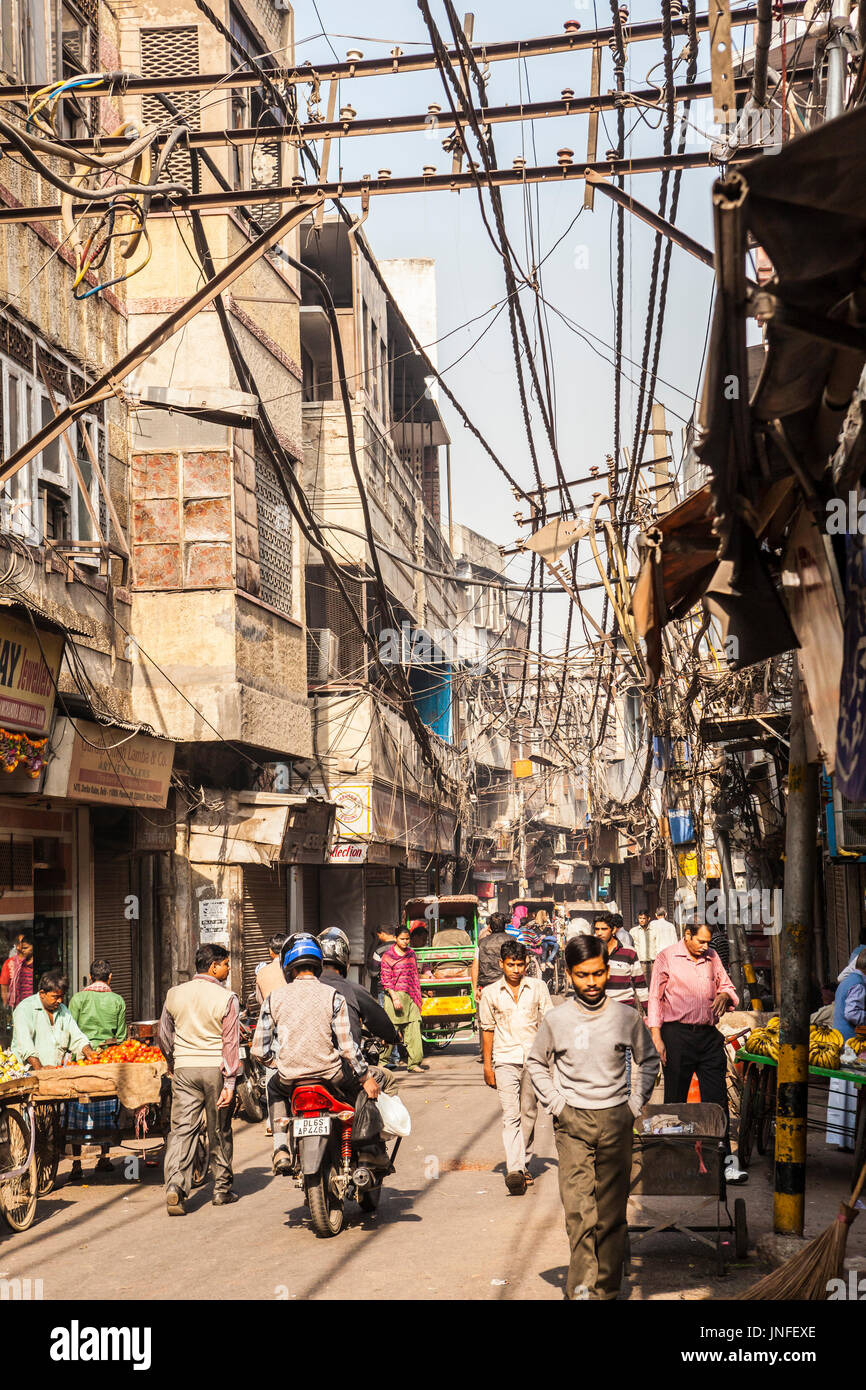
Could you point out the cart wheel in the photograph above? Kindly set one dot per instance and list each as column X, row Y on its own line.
column 748, row 1116
column 437, row 1042
column 721, row 1266
column 766, row 1126
column 741, row 1229
column 18, row 1195
column 48, row 1135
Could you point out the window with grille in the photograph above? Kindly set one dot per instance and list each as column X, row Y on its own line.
column 43, row 500
column 275, row 539
column 258, row 165
column 327, row 610
column 76, row 52
column 16, row 863
column 172, row 53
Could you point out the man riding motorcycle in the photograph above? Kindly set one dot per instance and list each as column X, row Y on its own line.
column 364, row 1012
column 304, row 1030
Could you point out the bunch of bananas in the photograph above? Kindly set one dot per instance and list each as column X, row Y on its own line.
column 763, row 1042
column 825, row 1045
column 10, row 1067
column 857, row 1044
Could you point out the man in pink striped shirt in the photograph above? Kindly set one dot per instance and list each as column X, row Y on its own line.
column 689, row 991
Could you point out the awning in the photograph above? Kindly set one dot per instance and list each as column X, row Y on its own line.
column 262, row 828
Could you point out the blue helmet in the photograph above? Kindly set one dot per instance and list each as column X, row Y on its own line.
column 302, row 949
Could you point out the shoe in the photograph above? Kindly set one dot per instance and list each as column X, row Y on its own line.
column 733, row 1172
column 104, row 1165
column 516, row 1183
column 174, row 1202
column 282, row 1163
column 77, row 1174
column 225, row 1199
column 529, row 1179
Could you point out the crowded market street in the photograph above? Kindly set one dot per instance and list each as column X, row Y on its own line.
column 458, row 1236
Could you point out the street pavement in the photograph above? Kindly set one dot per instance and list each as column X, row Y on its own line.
column 446, row 1227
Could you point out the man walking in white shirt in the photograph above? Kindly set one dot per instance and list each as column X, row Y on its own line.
column 510, row 1013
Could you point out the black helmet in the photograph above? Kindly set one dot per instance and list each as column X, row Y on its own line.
column 335, row 948
column 301, row 949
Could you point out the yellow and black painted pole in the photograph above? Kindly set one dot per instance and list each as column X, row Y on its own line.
column 796, row 958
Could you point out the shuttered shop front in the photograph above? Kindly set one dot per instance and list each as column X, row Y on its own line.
column 115, row 935
column 265, row 912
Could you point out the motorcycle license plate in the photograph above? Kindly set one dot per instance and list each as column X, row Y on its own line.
column 312, row 1124
column 242, row 1051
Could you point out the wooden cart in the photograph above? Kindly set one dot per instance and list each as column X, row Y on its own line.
column 18, row 1178
column 143, row 1092
column 758, row 1106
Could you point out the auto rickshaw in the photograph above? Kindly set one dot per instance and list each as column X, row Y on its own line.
column 448, row 997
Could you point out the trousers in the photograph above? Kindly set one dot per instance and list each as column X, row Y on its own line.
column 595, row 1149
column 194, row 1093
column 699, row 1051
column 519, row 1112
column 408, row 1025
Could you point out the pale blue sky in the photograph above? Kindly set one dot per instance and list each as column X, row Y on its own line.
column 577, row 278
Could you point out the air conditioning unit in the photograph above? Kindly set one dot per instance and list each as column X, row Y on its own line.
column 850, row 821
column 323, row 655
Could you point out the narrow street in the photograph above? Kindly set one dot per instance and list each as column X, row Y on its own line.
column 457, row 1235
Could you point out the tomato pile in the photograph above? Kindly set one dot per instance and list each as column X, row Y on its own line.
column 129, row 1051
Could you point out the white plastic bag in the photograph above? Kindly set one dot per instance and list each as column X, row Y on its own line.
column 395, row 1116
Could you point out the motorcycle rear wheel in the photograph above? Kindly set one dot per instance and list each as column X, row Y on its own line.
column 326, row 1212
column 248, row 1103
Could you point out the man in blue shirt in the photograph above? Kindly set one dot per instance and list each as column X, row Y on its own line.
column 849, row 1012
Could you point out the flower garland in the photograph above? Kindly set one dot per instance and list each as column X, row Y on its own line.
column 18, row 748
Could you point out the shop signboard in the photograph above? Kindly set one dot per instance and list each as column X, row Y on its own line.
column 354, row 802
column 108, row 766
column 348, row 852
column 29, row 663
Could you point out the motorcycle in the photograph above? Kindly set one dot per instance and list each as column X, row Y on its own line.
column 251, row 1097
column 332, row 1169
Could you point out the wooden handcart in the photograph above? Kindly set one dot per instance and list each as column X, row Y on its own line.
column 758, row 1106
column 143, row 1093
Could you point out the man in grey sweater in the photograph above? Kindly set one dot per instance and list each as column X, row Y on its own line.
column 577, row 1067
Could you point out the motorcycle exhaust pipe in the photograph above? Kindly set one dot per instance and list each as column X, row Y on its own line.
column 363, row 1179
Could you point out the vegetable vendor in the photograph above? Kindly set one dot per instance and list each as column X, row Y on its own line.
column 101, row 1014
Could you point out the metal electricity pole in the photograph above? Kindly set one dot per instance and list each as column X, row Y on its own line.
column 837, row 60
column 796, row 960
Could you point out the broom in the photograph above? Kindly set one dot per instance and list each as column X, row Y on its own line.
column 805, row 1277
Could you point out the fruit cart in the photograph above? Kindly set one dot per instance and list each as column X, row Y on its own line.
column 448, row 997
column 758, row 1105
column 18, row 1180
column 143, row 1094
column 679, row 1153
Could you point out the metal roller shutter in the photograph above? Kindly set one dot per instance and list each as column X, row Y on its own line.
column 114, row 937
column 311, row 899
column 413, row 883
column 265, row 912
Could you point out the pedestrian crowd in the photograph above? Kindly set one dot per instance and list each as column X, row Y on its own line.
column 637, row 1001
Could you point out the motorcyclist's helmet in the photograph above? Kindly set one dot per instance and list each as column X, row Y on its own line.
column 335, row 947
column 303, row 951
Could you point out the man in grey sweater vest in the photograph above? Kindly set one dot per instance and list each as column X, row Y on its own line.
column 577, row 1066
column 199, row 1038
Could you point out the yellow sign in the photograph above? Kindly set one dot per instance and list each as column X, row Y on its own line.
column 29, row 663
column 109, row 766
column 522, row 767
